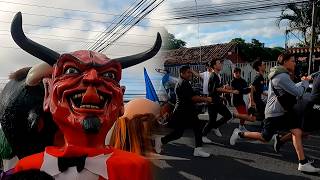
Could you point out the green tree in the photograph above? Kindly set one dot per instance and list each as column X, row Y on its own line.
column 256, row 43
column 256, row 50
column 299, row 18
column 171, row 42
column 238, row 41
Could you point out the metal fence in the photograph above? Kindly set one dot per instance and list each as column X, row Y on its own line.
column 247, row 72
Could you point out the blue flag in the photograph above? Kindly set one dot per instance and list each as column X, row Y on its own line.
column 150, row 92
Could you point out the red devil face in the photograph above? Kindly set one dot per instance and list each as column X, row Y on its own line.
column 84, row 92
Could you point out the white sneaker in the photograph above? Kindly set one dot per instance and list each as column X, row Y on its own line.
column 200, row 153
column 217, row 132
column 157, row 145
column 206, row 140
column 308, row 167
column 242, row 128
column 234, row 137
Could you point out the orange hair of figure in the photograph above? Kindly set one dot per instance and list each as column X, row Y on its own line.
column 133, row 135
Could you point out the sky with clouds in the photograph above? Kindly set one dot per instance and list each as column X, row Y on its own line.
column 66, row 30
column 215, row 32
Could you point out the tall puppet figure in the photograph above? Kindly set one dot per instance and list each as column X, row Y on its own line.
column 84, row 97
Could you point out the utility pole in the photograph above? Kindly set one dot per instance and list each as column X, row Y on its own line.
column 312, row 36
column 286, row 39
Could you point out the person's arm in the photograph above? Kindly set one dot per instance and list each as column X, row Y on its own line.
column 212, row 87
column 285, row 83
column 199, row 99
column 200, row 75
column 224, row 90
column 251, row 100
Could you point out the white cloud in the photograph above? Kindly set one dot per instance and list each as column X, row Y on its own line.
column 13, row 59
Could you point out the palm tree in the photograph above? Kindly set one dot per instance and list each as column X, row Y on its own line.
column 299, row 19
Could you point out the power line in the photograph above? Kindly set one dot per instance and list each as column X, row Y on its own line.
column 118, row 43
column 229, row 5
column 61, row 51
column 229, row 11
column 127, row 24
column 125, row 28
column 130, row 10
column 98, row 36
column 54, row 27
column 230, row 20
column 77, row 19
column 59, row 8
column 76, row 37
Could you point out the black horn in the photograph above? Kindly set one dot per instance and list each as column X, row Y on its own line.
column 138, row 58
column 45, row 54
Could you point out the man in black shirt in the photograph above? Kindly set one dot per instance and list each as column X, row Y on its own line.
column 215, row 89
column 241, row 85
column 257, row 90
column 184, row 114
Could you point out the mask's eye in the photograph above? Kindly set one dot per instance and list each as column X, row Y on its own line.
column 110, row 75
column 72, row 70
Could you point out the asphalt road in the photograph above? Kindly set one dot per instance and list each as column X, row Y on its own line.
column 244, row 161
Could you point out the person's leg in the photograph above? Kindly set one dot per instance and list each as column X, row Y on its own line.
column 178, row 129
column 269, row 129
column 253, row 136
column 244, row 117
column 174, row 135
column 297, row 142
column 241, row 109
column 212, row 119
column 294, row 124
column 197, row 132
column 225, row 113
column 198, row 151
column 260, row 107
column 304, row 164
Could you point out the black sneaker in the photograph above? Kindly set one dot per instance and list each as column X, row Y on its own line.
column 277, row 143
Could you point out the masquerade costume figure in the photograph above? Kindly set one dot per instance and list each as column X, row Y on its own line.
column 84, row 98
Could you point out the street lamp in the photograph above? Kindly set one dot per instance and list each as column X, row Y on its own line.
column 312, row 35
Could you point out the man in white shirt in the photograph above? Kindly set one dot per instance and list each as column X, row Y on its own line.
column 205, row 77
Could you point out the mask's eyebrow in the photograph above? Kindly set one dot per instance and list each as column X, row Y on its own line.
column 70, row 56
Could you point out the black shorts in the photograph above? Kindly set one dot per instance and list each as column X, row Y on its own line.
column 272, row 125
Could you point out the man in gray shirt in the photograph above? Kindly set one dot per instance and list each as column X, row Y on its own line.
column 277, row 116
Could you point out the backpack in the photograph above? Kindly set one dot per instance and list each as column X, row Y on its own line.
column 286, row 100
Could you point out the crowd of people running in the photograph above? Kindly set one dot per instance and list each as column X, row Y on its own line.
column 277, row 113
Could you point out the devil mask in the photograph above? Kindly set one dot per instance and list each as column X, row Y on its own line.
column 83, row 94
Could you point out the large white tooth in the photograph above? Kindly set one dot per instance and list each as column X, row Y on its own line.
column 101, row 98
column 84, row 106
